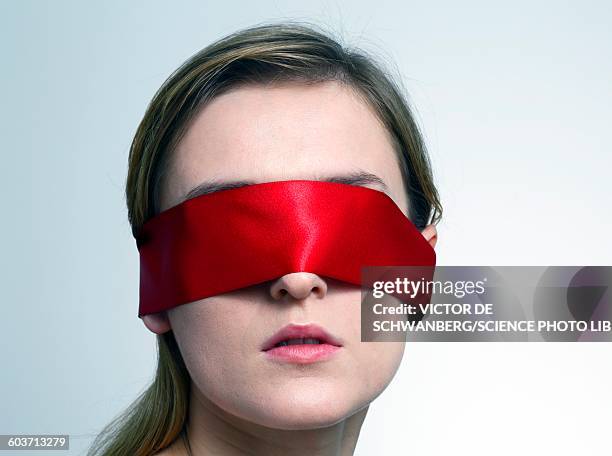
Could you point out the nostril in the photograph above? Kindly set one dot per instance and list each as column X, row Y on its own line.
column 299, row 286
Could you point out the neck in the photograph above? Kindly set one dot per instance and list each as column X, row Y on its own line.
column 212, row 431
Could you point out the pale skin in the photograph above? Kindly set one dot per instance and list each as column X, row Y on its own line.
column 241, row 403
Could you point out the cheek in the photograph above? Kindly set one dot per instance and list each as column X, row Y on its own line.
column 215, row 341
column 375, row 363
column 379, row 362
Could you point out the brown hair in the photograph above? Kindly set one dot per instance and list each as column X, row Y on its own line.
column 287, row 51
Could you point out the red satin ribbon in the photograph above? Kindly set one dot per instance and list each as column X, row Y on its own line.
column 230, row 239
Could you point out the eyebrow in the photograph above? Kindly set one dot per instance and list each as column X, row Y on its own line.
column 359, row 178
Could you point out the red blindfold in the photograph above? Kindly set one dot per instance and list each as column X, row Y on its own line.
column 227, row 240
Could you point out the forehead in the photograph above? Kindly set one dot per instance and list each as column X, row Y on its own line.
column 280, row 132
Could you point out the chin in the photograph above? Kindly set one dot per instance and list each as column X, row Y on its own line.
column 300, row 406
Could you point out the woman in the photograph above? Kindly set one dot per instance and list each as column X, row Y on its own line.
column 271, row 103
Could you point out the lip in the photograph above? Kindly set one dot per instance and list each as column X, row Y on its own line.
column 301, row 353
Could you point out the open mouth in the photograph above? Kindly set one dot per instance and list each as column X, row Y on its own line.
column 298, row 341
column 292, row 334
column 301, row 344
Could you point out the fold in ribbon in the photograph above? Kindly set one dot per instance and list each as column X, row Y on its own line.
column 230, row 239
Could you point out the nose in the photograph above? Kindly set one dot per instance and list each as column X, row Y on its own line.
column 299, row 285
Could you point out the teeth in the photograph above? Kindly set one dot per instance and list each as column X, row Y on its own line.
column 312, row 341
column 308, row 340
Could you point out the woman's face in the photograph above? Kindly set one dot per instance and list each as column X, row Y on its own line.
column 262, row 134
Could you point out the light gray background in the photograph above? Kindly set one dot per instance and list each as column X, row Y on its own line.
column 515, row 102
